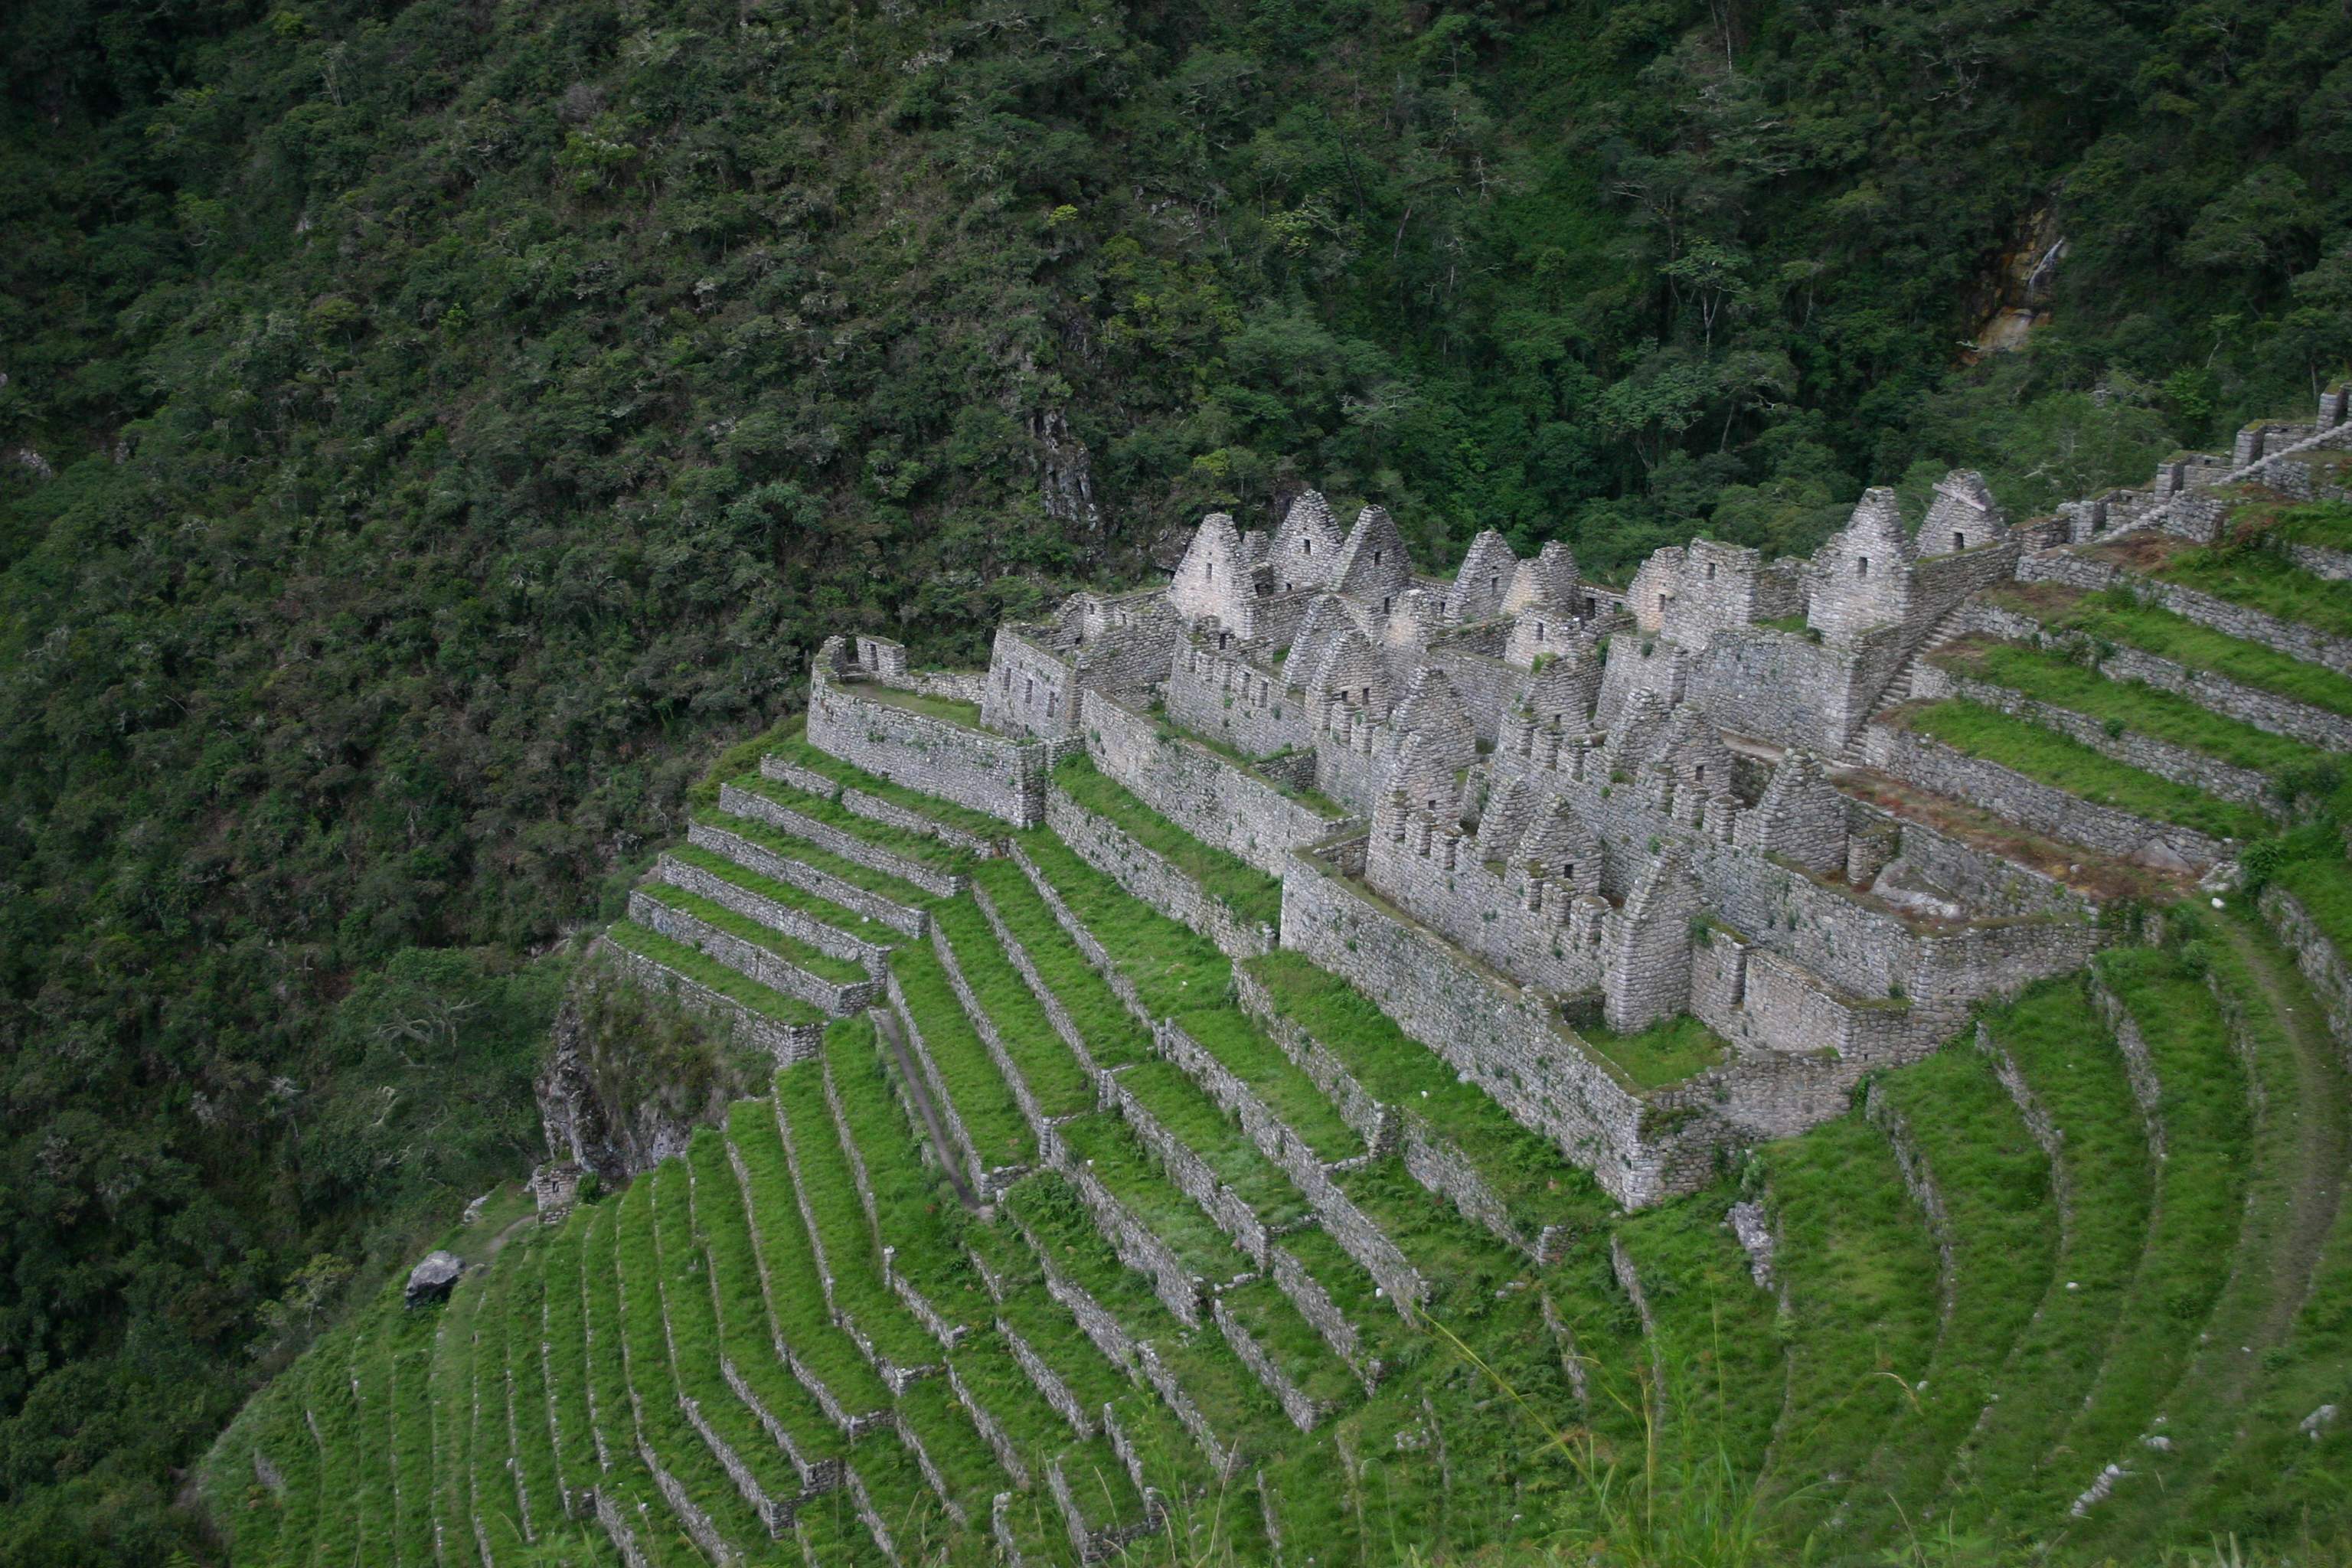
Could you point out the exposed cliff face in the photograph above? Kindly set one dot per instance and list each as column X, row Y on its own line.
column 2016, row 299
column 629, row 1076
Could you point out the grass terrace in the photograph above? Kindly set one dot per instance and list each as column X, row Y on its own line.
column 1271, row 1318
column 999, row 1132
column 1112, row 1035
column 823, row 910
column 2322, row 883
column 790, row 743
column 1161, row 1089
column 950, row 709
column 1058, row 1083
column 2064, row 682
column 837, row 1221
column 791, row 949
column 1244, row 1051
column 2069, row 1064
column 700, row 967
column 1861, row 1274
column 919, row 848
column 784, row 845
column 914, row 1212
column 2117, row 617
column 2264, row 580
column 2062, row 763
column 1251, row 893
column 1109, row 1150
column 1666, row 1052
column 1521, row 1167
column 2328, row 524
column 787, row 1264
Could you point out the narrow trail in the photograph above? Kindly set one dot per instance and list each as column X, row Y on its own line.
column 887, row 1024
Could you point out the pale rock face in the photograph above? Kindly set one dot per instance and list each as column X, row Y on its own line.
column 432, row 1279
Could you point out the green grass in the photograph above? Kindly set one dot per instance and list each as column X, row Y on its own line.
column 824, row 911
column 2070, row 1064
column 1862, row 1312
column 791, row 745
column 1172, row 969
column 2265, row 581
column 952, row 710
column 1058, row 1083
column 915, row 1212
column 1113, row 1155
column 1523, row 1168
column 2328, row 524
column 839, row 1224
column 2118, row 617
column 1249, row 892
column 791, row 949
column 780, row 1246
column 2322, row 885
column 682, row 1276
column 738, row 1313
column 1715, row 1331
column 1291, row 1343
column 1244, row 1051
column 1112, row 1035
column 2057, row 760
column 905, row 843
column 1995, row 1185
column 704, row 970
column 1164, row 1090
column 777, row 842
column 1667, row 1051
column 2199, row 1202
column 2161, row 715
column 992, row 1119
column 650, row 1373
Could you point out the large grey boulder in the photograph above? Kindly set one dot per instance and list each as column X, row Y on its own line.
column 430, row 1280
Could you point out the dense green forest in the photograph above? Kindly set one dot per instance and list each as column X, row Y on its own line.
column 430, row 431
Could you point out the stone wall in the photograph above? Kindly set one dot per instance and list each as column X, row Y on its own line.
column 1145, row 874
column 787, row 1043
column 1212, row 799
column 824, row 938
column 2181, row 764
column 808, row 879
column 1224, row 695
column 1305, row 1413
column 2293, row 638
column 1503, row 1040
column 2263, row 709
column 986, row 1179
column 1487, row 684
column 873, row 808
column 1031, row 689
column 1643, row 662
column 1930, row 765
column 1355, row 1232
column 2317, row 956
column 837, row 842
column 749, row 958
column 990, row 773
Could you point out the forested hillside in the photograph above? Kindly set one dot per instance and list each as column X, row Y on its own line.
column 430, row 432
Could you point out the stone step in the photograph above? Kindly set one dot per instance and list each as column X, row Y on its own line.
column 793, row 811
column 828, row 927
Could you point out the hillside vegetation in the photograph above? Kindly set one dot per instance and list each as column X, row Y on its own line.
column 430, row 431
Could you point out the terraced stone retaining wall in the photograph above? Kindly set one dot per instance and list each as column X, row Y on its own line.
column 2290, row 638
column 1930, row 765
column 786, row 1043
column 1147, row 874
column 749, row 958
column 1214, row 800
column 827, row 939
column 873, row 808
column 808, row 879
column 988, row 1181
column 2317, row 956
column 2181, row 764
column 834, row 841
column 1503, row 1040
column 1002, row 777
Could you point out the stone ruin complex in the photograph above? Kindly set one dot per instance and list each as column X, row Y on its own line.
column 1525, row 812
